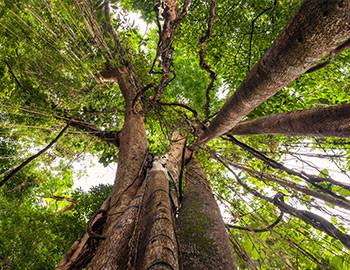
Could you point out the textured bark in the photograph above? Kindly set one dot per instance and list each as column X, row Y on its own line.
column 165, row 50
column 204, row 242
column 332, row 121
column 114, row 250
column 81, row 251
column 316, row 30
column 156, row 241
column 140, row 233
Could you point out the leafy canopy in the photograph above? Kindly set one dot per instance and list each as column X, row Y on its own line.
column 51, row 55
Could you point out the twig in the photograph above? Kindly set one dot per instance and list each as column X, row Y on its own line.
column 268, row 228
column 274, row 164
column 13, row 75
column 314, row 220
column 193, row 111
column 252, row 31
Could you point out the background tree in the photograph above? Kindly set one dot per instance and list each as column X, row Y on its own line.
column 134, row 97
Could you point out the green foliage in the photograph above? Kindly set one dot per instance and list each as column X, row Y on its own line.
column 50, row 61
column 37, row 231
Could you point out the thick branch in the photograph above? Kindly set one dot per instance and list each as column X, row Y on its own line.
column 28, row 160
column 166, row 35
column 316, row 30
column 332, row 56
column 111, row 137
column 165, row 49
column 331, row 121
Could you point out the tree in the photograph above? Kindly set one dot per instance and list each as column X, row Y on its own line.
column 147, row 102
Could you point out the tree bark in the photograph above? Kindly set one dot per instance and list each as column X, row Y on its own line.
column 317, row 29
column 114, row 250
column 117, row 229
column 332, row 121
column 140, row 230
column 204, row 242
column 156, row 244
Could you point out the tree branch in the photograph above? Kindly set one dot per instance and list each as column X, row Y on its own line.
column 331, row 121
column 332, row 56
column 165, row 50
column 252, row 31
column 274, row 164
column 314, row 220
column 268, row 228
column 14, row 77
column 28, row 160
column 203, row 64
column 114, row 34
column 111, row 137
column 193, row 111
column 334, row 200
column 296, row 50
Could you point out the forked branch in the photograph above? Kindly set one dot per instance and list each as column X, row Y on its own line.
column 302, row 44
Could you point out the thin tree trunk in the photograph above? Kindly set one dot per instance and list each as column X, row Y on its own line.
column 204, row 242
column 332, row 121
column 156, row 244
column 316, row 30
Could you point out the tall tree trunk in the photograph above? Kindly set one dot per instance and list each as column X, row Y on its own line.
column 156, row 243
column 112, row 252
column 139, row 232
column 204, row 242
column 332, row 121
column 317, row 29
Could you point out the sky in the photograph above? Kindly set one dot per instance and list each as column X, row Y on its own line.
column 88, row 172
